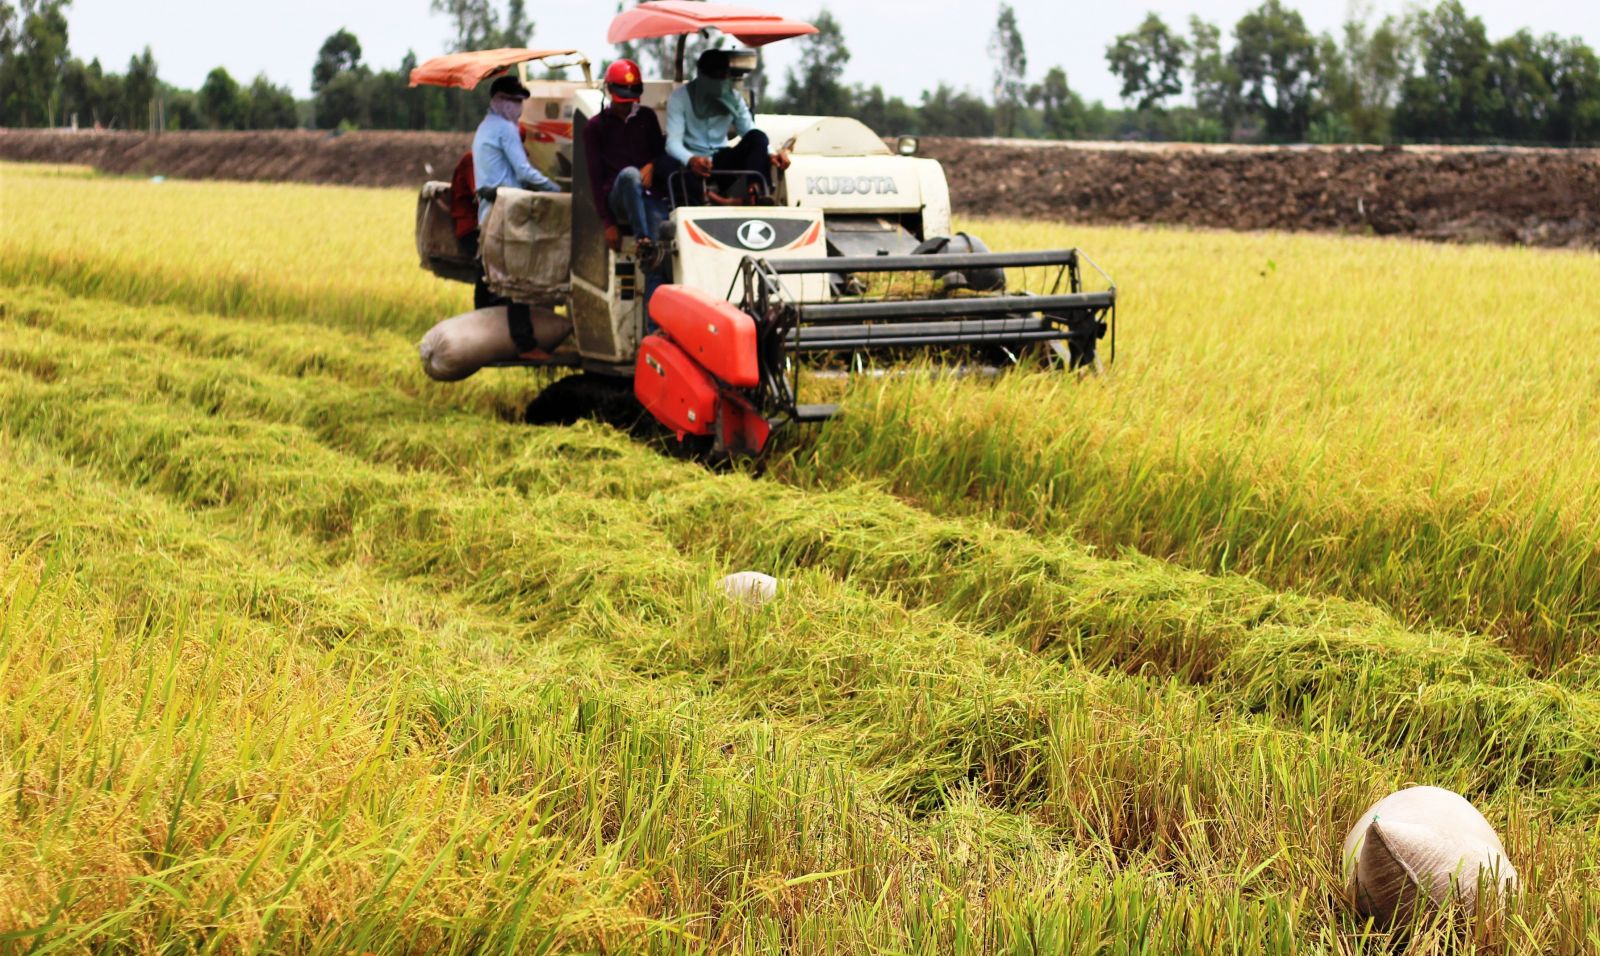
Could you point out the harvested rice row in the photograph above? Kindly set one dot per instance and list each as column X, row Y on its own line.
column 1129, row 826
column 615, row 776
column 251, row 798
column 205, row 491
column 1137, row 746
column 286, row 350
column 1446, row 699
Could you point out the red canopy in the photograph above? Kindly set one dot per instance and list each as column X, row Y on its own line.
column 663, row 18
column 467, row 70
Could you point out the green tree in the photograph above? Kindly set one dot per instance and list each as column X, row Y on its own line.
column 340, row 83
column 141, row 86
column 1574, row 81
column 518, row 29
column 1010, row 72
column 1149, row 61
column 885, row 115
column 1060, row 109
column 268, row 106
column 182, row 109
column 33, row 60
column 389, row 101
column 814, row 86
column 950, row 112
column 476, row 24
column 1446, row 96
column 1361, row 76
column 1275, row 58
column 221, row 104
column 346, row 100
column 83, row 92
column 340, row 53
column 1518, row 96
column 8, row 27
column 1212, row 78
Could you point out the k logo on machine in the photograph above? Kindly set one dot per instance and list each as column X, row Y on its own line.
column 757, row 234
column 754, row 235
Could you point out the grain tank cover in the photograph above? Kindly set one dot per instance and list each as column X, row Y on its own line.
column 824, row 136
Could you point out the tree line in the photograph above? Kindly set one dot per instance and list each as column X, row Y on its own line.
column 42, row 84
column 1431, row 74
column 1426, row 75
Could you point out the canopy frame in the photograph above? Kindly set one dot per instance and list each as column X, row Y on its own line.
column 680, row 18
column 467, row 70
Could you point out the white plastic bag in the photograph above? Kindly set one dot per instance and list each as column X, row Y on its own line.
column 1422, row 844
column 750, row 587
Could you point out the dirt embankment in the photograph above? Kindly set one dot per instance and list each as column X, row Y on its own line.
column 351, row 159
column 1537, row 197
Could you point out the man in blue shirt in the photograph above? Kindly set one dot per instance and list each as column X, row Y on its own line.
column 498, row 156
column 699, row 116
column 499, row 159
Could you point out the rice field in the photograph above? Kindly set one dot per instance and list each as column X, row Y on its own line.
column 304, row 652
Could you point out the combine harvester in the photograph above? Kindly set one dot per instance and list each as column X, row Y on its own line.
column 841, row 262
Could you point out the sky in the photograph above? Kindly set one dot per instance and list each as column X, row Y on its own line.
column 905, row 47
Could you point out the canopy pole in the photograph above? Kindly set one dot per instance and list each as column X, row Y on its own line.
column 682, row 39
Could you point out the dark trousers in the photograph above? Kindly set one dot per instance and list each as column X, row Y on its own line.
column 482, row 298
column 751, row 154
column 518, row 316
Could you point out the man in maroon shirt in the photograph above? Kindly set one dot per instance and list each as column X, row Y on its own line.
column 620, row 146
column 464, row 202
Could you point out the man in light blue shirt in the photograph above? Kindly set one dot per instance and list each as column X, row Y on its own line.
column 699, row 116
column 498, row 156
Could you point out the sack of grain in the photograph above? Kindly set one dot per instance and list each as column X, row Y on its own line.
column 527, row 245
column 1423, row 844
column 462, row 344
column 437, row 246
column 750, row 587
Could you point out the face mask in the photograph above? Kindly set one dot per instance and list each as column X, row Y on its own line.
column 506, row 107
column 711, row 95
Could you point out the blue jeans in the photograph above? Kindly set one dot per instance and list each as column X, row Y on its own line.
column 630, row 206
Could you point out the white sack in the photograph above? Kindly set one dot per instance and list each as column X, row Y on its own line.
column 1419, row 843
column 436, row 229
column 751, row 587
column 462, row 344
column 437, row 245
column 526, row 243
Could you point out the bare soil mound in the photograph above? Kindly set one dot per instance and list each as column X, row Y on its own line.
column 1535, row 197
column 350, row 159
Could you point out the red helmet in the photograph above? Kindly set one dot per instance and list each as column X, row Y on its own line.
column 624, row 81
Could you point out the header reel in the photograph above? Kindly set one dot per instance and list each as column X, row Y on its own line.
column 734, row 373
